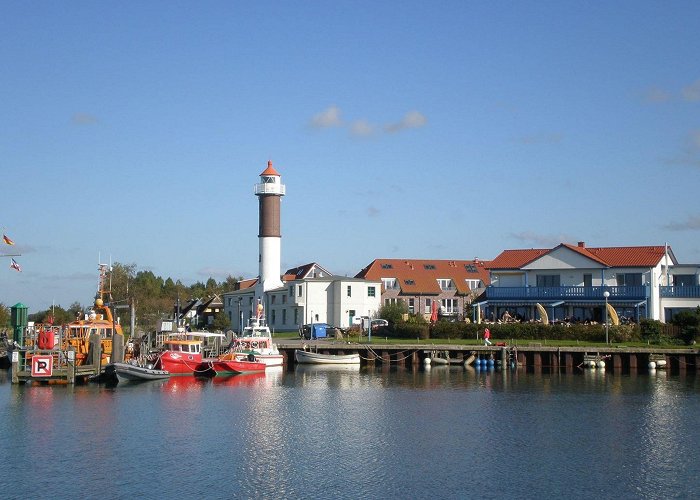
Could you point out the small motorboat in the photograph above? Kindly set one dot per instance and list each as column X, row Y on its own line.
column 326, row 359
column 136, row 372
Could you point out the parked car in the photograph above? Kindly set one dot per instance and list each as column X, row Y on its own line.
column 379, row 323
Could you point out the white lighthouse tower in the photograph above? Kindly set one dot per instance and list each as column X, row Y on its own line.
column 269, row 192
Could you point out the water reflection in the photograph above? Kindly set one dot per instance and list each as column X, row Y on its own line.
column 447, row 431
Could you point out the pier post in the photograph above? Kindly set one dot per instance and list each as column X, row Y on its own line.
column 633, row 363
column 15, row 366
column 95, row 352
column 682, row 361
column 70, row 365
column 386, row 357
column 569, row 362
column 554, row 360
column 117, row 348
column 617, row 363
column 537, row 361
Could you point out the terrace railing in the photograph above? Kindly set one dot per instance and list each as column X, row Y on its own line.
column 541, row 293
column 680, row 292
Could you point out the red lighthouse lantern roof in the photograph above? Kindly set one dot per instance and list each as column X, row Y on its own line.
column 270, row 170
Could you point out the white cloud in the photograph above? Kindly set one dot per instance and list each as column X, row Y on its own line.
column 329, row 117
column 412, row 119
column 656, row 95
column 542, row 240
column 692, row 224
column 692, row 92
column 362, row 128
column 84, row 119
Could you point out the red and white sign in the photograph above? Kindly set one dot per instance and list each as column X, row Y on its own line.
column 42, row 366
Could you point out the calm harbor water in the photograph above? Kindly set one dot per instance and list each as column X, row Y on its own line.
column 311, row 432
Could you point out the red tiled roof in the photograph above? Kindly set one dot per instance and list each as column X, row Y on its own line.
column 515, row 259
column 644, row 256
column 270, row 170
column 416, row 276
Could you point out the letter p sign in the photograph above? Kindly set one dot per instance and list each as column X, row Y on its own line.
column 42, row 366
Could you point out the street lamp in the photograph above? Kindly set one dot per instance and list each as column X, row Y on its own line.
column 606, row 294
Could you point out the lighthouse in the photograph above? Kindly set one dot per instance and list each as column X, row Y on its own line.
column 269, row 192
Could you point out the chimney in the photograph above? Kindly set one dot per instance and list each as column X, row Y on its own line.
column 582, row 244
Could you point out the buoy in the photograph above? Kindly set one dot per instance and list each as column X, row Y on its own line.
column 426, row 361
column 490, row 362
column 652, row 365
column 661, row 363
column 601, row 364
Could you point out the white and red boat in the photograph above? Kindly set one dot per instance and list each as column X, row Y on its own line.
column 183, row 355
column 256, row 340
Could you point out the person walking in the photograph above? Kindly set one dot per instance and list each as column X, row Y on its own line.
column 487, row 337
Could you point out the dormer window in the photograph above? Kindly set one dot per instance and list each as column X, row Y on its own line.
column 409, row 282
column 387, row 266
column 429, row 267
column 445, row 284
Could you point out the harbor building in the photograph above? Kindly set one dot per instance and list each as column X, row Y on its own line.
column 576, row 282
column 449, row 286
column 301, row 295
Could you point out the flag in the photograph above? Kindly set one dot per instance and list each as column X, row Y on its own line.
column 7, row 240
column 15, row 266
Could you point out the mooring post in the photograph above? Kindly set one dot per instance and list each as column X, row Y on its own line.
column 70, row 365
column 15, row 366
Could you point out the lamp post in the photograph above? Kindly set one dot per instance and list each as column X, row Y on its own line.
column 240, row 316
column 606, row 294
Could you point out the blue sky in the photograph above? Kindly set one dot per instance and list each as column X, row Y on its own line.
column 446, row 130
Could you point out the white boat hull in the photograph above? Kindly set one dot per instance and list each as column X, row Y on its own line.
column 268, row 359
column 326, row 359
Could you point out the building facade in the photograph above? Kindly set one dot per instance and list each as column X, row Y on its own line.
column 575, row 282
column 422, row 283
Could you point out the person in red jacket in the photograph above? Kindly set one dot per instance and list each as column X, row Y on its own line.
column 487, row 337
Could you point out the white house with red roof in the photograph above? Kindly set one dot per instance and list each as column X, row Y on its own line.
column 574, row 282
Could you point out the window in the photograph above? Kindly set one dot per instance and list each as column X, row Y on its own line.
column 389, row 301
column 587, row 280
column 428, row 304
column 473, row 284
column 296, row 316
column 684, row 280
column 429, row 267
column 629, row 279
column 411, row 305
column 449, row 306
column 291, row 291
column 445, row 284
column 371, row 291
column 299, row 291
column 349, row 291
column 471, row 268
column 284, row 299
column 284, row 316
column 273, row 298
column 387, row 266
column 273, row 316
column 409, row 282
column 548, row 280
column 389, row 283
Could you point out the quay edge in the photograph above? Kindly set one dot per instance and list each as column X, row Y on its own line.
column 533, row 356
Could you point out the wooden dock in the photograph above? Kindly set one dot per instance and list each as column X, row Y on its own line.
column 533, row 356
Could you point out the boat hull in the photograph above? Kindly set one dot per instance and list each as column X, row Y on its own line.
column 127, row 372
column 224, row 367
column 307, row 357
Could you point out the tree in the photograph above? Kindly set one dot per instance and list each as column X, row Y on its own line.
column 393, row 313
column 4, row 316
column 221, row 322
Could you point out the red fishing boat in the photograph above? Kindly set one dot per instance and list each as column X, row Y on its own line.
column 183, row 355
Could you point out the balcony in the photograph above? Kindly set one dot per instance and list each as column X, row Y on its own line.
column 567, row 293
column 680, row 292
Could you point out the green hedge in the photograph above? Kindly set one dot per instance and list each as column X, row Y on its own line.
column 518, row 331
